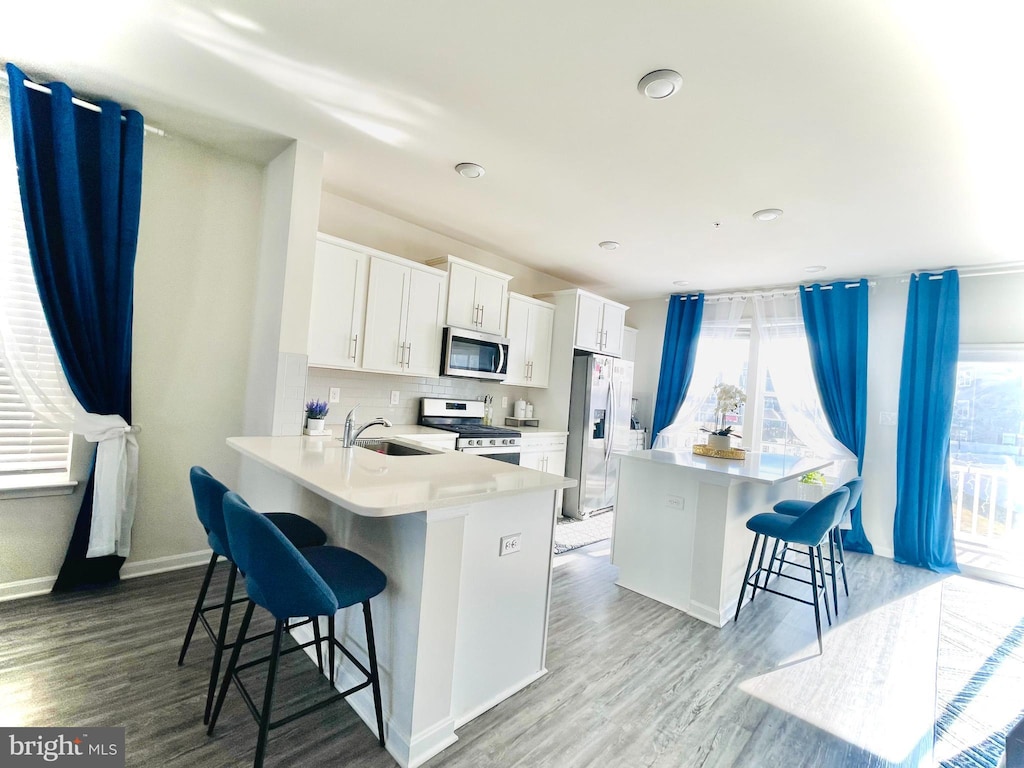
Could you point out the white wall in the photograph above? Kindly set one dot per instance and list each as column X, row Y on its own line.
column 194, row 282
column 351, row 221
column 648, row 317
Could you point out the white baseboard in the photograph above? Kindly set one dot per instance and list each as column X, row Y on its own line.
column 465, row 717
column 16, row 590
column 164, row 564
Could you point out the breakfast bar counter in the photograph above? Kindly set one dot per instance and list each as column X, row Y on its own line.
column 466, row 543
column 680, row 532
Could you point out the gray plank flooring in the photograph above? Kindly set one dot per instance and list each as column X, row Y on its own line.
column 631, row 682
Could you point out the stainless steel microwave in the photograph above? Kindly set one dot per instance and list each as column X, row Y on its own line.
column 474, row 355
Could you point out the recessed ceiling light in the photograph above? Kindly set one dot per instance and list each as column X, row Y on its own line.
column 608, row 245
column 815, row 268
column 659, row 84
column 768, row 214
column 681, row 283
column 470, row 170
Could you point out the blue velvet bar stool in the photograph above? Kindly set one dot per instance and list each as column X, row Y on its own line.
column 208, row 494
column 810, row 530
column 318, row 581
column 795, row 508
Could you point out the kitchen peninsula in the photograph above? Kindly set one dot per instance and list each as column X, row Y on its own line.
column 463, row 622
column 680, row 532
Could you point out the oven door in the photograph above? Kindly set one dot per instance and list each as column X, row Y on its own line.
column 509, row 454
column 473, row 355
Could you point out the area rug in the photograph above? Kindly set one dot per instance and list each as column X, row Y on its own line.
column 980, row 679
column 572, row 534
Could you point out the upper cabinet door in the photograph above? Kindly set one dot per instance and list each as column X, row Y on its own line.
column 542, row 322
column 337, row 306
column 477, row 296
column 518, row 329
column 613, row 329
column 463, row 310
column 423, row 325
column 588, row 322
column 491, row 296
column 387, row 296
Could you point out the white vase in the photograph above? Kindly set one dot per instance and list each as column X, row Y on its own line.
column 315, row 425
column 720, row 442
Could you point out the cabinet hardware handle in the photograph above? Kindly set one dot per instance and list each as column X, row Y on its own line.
column 353, row 346
column 401, row 354
column 598, row 338
column 408, row 354
column 605, row 342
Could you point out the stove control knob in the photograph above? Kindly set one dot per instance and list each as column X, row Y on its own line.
column 494, row 442
column 478, row 442
column 504, row 442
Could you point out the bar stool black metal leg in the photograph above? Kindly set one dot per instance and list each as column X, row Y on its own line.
column 832, row 561
column 746, row 577
column 771, row 563
column 318, row 640
column 268, row 697
column 824, row 584
column 199, row 607
column 222, row 636
column 760, row 568
column 330, row 645
column 814, row 597
column 842, row 560
column 232, row 663
column 372, row 648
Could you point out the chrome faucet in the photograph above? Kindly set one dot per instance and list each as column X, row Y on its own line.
column 351, row 434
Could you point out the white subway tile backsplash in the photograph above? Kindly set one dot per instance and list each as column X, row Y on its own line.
column 372, row 393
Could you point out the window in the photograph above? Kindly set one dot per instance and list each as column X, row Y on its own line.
column 32, row 452
column 768, row 358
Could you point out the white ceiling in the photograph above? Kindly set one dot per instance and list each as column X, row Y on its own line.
column 891, row 133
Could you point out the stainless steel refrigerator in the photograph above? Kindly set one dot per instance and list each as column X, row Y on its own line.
column 599, row 411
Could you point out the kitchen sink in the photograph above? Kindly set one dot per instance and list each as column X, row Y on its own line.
column 392, row 448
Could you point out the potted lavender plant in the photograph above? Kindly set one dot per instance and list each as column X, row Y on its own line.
column 316, row 412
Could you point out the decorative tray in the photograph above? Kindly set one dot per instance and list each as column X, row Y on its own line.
column 720, row 453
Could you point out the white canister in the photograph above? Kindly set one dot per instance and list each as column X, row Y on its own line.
column 519, row 409
column 529, row 410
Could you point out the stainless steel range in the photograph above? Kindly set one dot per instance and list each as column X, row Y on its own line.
column 466, row 418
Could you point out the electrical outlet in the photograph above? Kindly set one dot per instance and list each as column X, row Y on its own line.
column 510, row 544
column 394, row 397
column 674, row 502
column 334, row 395
column 504, row 402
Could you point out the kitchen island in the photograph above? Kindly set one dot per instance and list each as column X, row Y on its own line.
column 680, row 533
column 461, row 626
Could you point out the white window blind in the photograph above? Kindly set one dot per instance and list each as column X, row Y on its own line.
column 28, row 445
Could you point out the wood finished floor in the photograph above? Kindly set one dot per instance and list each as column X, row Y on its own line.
column 631, row 682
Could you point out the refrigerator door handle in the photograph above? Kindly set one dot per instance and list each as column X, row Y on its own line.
column 609, row 417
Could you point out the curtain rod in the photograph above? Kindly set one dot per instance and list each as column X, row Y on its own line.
column 79, row 103
column 986, row 270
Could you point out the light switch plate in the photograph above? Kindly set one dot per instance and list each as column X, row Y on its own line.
column 394, row 396
column 334, row 395
column 504, row 402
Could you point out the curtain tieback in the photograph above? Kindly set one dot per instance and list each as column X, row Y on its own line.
column 116, row 485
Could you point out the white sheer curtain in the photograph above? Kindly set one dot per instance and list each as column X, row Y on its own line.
column 716, row 361
column 36, row 372
column 783, row 346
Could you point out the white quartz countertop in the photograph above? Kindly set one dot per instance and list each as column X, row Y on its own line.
column 377, row 485
column 541, row 431
column 768, row 468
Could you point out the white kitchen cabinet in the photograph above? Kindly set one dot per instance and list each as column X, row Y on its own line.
column 477, row 296
column 529, row 327
column 338, row 304
column 545, row 453
column 600, row 324
column 404, row 312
